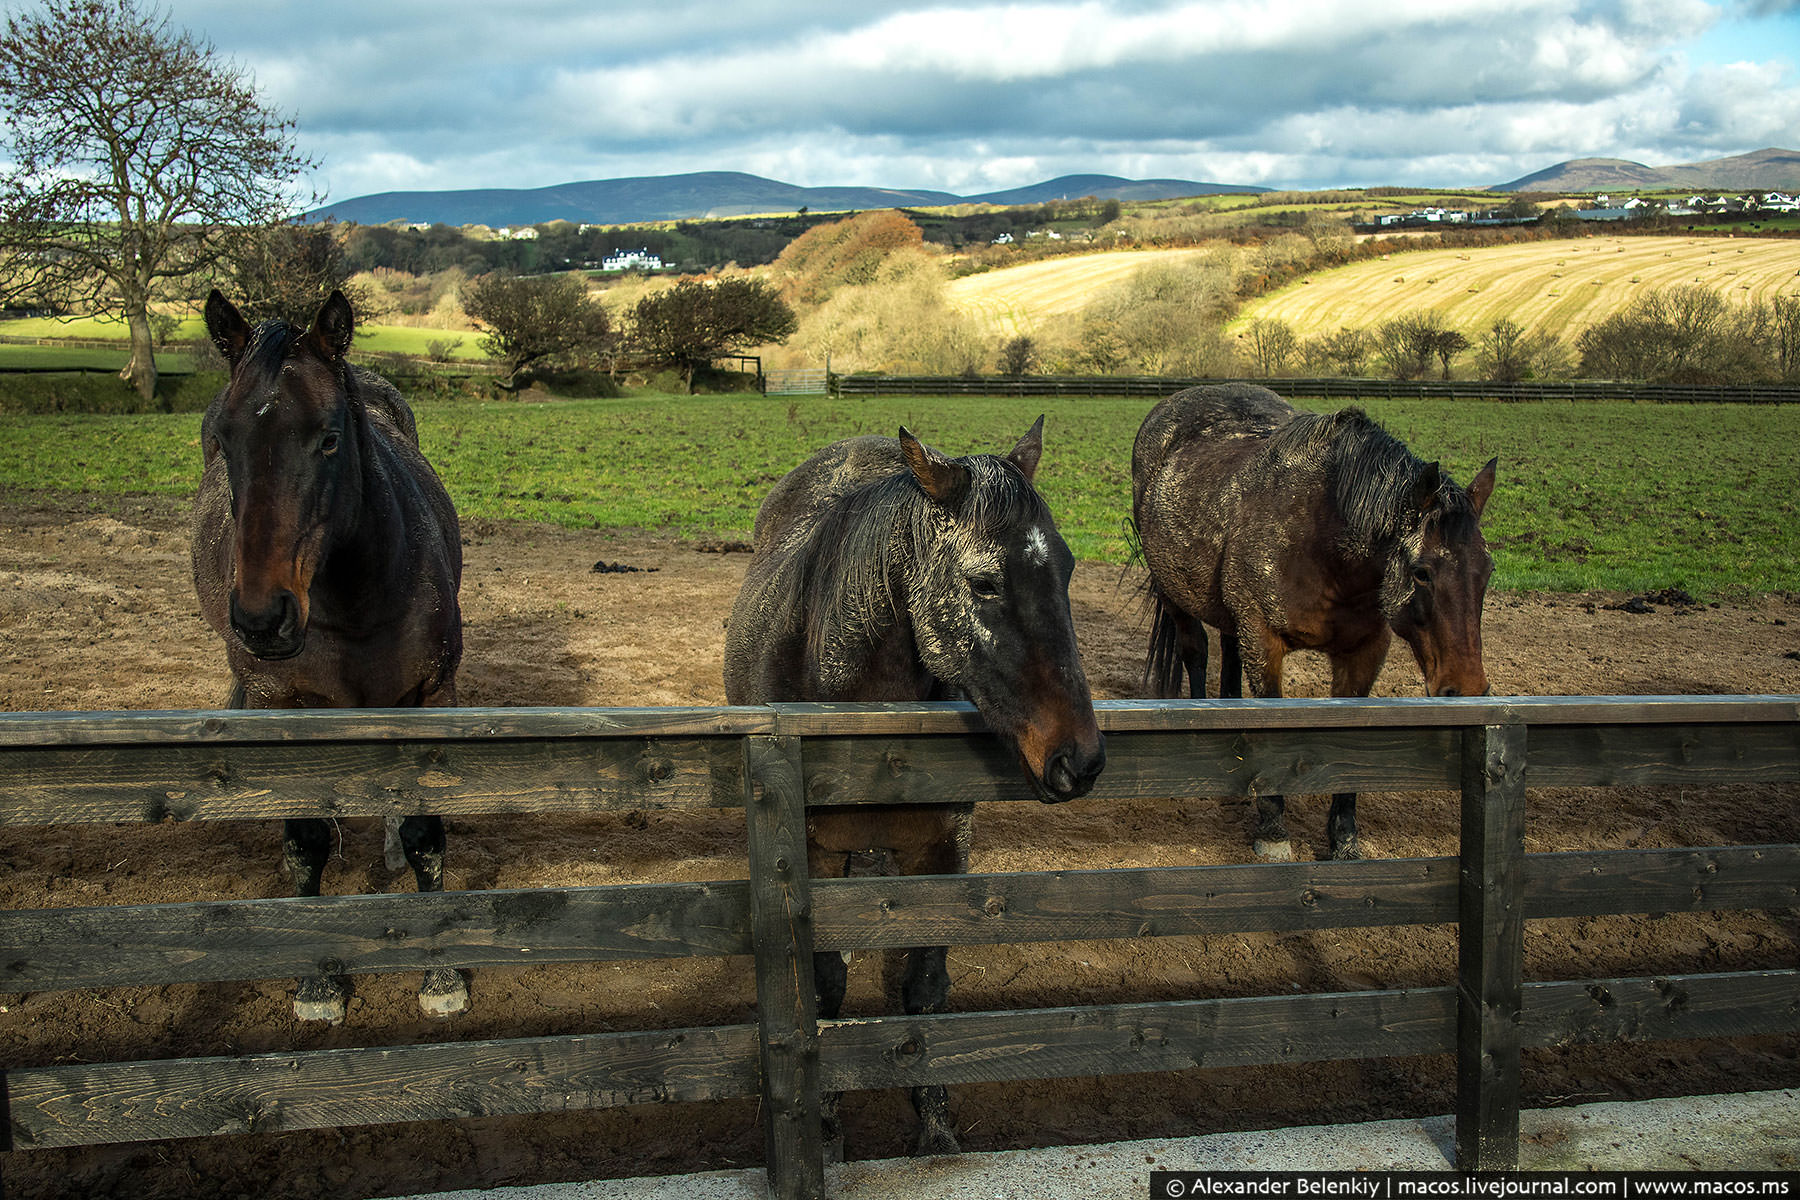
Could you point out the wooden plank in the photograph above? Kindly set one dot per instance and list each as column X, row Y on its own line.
column 934, row 717
column 949, row 1048
column 1641, row 755
column 375, row 724
column 1490, row 949
column 99, row 1103
column 1725, row 1004
column 156, row 944
column 928, row 769
column 986, row 909
column 786, row 1001
column 1601, row 882
column 261, row 781
column 152, row 945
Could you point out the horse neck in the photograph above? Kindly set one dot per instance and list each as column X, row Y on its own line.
column 375, row 542
column 863, row 645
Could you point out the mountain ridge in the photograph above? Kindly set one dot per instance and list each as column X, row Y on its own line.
column 712, row 195
column 1769, row 169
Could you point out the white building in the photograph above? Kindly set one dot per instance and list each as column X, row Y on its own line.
column 625, row 260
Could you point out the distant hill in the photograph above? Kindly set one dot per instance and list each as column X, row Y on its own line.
column 1771, row 169
column 712, row 194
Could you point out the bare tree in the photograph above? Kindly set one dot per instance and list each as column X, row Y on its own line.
column 1272, row 346
column 135, row 153
column 1447, row 344
column 538, row 318
column 1018, row 354
column 289, row 271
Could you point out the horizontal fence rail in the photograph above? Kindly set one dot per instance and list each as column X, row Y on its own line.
column 1327, row 388
column 778, row 760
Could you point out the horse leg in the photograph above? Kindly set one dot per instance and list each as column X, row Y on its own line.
column 925, row 985
column 831, row 978
column 1352, row 674
column 1257, row 661
column 305, row 845
column 445, row 991
column 1190, row 644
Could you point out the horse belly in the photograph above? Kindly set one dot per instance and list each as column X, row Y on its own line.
column 921, row 840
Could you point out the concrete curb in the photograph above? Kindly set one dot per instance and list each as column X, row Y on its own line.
column 1752, row 1131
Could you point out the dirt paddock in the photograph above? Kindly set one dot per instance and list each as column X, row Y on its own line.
column 97, row 612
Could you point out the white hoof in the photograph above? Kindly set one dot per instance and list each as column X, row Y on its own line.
column 1274, row 851
column 444, row 993
column 321, row 998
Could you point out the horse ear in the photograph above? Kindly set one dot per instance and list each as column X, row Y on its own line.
column 942, row 479
column 1425, row 487
column 1482, row 486
column 334, row 327
column 226, row 326
column 1030, row 449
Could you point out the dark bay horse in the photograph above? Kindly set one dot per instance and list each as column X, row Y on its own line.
column 883, row 570
column 328, row 557
column 1287, row 530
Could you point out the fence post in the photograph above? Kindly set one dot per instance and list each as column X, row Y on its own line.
column 782, row 938
column 1490, row 978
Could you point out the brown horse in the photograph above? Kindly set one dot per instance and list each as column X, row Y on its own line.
column 883, row 570
column 1288, row 531
column 328, row 557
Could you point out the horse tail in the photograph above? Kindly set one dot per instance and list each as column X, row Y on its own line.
column 1164, row 669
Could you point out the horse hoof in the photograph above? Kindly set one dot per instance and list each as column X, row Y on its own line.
column 444, row 993
column 321, row 998
column 1351, row 849
column 1282, row 851
column 936, row 1139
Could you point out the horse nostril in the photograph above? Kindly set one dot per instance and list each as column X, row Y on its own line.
column 275, row 632
column 1059, row 775
column 1450, row 691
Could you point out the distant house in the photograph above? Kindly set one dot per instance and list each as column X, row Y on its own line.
column 1779, row 202
column 526, row 234
column 626, row 260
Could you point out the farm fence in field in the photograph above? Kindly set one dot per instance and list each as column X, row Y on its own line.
column 776, row 761
column 1328, row 389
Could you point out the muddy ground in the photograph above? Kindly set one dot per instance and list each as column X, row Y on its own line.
column 97, row 612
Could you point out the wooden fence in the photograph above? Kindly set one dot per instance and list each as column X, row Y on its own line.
column 775, row 761
column 1336, row 389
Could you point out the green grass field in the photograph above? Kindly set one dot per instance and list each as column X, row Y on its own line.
column 1632, row 497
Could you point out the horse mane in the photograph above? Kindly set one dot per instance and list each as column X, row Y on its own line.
column 865, row 550
column 1371, row 474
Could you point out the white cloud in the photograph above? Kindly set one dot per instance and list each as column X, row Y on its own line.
column 978, row 96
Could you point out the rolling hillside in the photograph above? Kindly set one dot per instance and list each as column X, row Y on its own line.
column 1015, row 299
column 1760, row 170
column 1561, row 286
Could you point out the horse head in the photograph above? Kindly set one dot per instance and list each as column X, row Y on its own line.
column 286, row 427
column 1440, row 581
column 990, row 610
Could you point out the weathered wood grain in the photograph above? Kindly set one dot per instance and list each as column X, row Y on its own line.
column 1490, row 949
column 99, row 1103
column 1605, row 755
column 257, row 781
column 977, row 909
column 879, row 1052
column 786, row 1001
column 152, row 945
column 51, row 949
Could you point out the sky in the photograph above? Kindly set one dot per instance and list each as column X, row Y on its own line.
column 968, row 97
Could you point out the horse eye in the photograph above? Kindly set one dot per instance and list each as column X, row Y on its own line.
column 329, row 443
column 1422, row 576
column 984, row 587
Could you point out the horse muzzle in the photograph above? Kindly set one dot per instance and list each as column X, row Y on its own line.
column 274, row 633
column 1071, row 772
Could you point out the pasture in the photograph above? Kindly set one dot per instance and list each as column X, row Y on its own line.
column 1015, row 300
column 1590, row 496
column 1560, row 287
column 98, row 613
